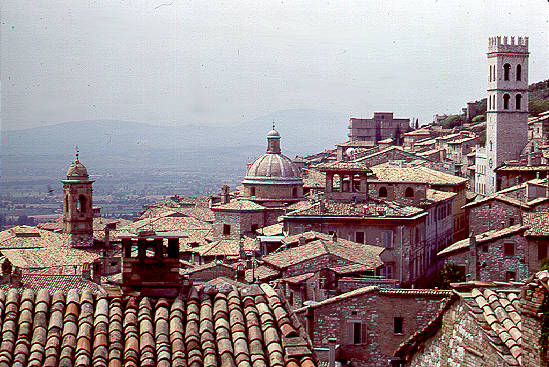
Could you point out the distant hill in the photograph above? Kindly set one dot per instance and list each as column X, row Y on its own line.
column 107, row 143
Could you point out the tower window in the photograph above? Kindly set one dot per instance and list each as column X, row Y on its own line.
column 383, row 192
column 519, row 72
column 294, row 192
column 252, row 191
column 67, row 203
column 506, row 98
column 81, row 204
column 226, row 229
column 518, row 98
column 506, row 71
column 409, row 193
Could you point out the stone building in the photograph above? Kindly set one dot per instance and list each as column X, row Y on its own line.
column 369, row 323
column 538, row 129
column 380, row 127
column 435, row 180
column 487, row 324
column 508, row 253
column 77, row 206
column 397, row 227
column 507, row 113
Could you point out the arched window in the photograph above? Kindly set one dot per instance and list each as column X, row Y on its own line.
column 491, row 145
column 409, row 193
column 383, row 192
column 518, row 98
column 252, row 191
column 490, row 73
column 506, row 98
column 81, row 204
column 519, row 72
column 506, row 71
column 67, row 203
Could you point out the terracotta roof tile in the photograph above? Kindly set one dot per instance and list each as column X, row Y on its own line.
column 218, row 324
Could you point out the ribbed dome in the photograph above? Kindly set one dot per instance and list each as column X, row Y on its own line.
column 273, row 166
column 77, row 171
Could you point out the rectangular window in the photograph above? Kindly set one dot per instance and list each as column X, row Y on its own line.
column 542, row 251
column 398, row 324
column 226, row 229
column 359, row 237
column 389, row 271
column 387, row 239
column 510, row 276
column 356, row 332
column 508, row 249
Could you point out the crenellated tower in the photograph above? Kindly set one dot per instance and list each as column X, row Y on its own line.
column 507, row 105
column 77, row 206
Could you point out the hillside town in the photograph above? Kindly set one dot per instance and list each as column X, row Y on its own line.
column 405, row 245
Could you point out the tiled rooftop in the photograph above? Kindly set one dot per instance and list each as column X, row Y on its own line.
column 487, row 236
column 32, row 247
column 374, row 208
column 239, row 205
column 228, row 247
column 384, row 172
column 343, row 167
column 353, row 252
column 538, row 223
column 215, row 326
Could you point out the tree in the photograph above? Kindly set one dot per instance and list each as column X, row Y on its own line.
column 450, row 273
column 452, row 121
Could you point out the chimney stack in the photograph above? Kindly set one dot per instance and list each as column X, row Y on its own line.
column 225, row 197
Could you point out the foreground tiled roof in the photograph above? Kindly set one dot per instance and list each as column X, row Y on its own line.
column 171, row 221
column 214, row 326
column 373, row 208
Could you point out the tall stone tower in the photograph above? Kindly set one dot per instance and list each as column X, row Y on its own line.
column 77, row 206
column 507, row 105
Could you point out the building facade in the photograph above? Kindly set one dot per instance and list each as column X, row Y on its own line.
column 382, row 126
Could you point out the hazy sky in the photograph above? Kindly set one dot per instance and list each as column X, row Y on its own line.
column 177, row 62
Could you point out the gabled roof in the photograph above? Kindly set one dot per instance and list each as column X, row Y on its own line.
column 385, row 172
column 32, row 247
column 351, row 251
column 499, row 196
column 372, row 209
column 228, row 247
column 239, row 205
column 218, row 324
column 484, row 237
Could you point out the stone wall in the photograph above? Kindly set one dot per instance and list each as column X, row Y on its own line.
column 457, row 343
column 376, row 313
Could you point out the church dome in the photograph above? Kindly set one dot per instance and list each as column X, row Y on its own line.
column 273, row 166
column 77, row 171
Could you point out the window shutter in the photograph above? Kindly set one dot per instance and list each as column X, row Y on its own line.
column 364, row 332
column 349, row 333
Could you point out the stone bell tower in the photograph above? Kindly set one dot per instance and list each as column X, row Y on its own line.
column 77, row 206
column 507, row 104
